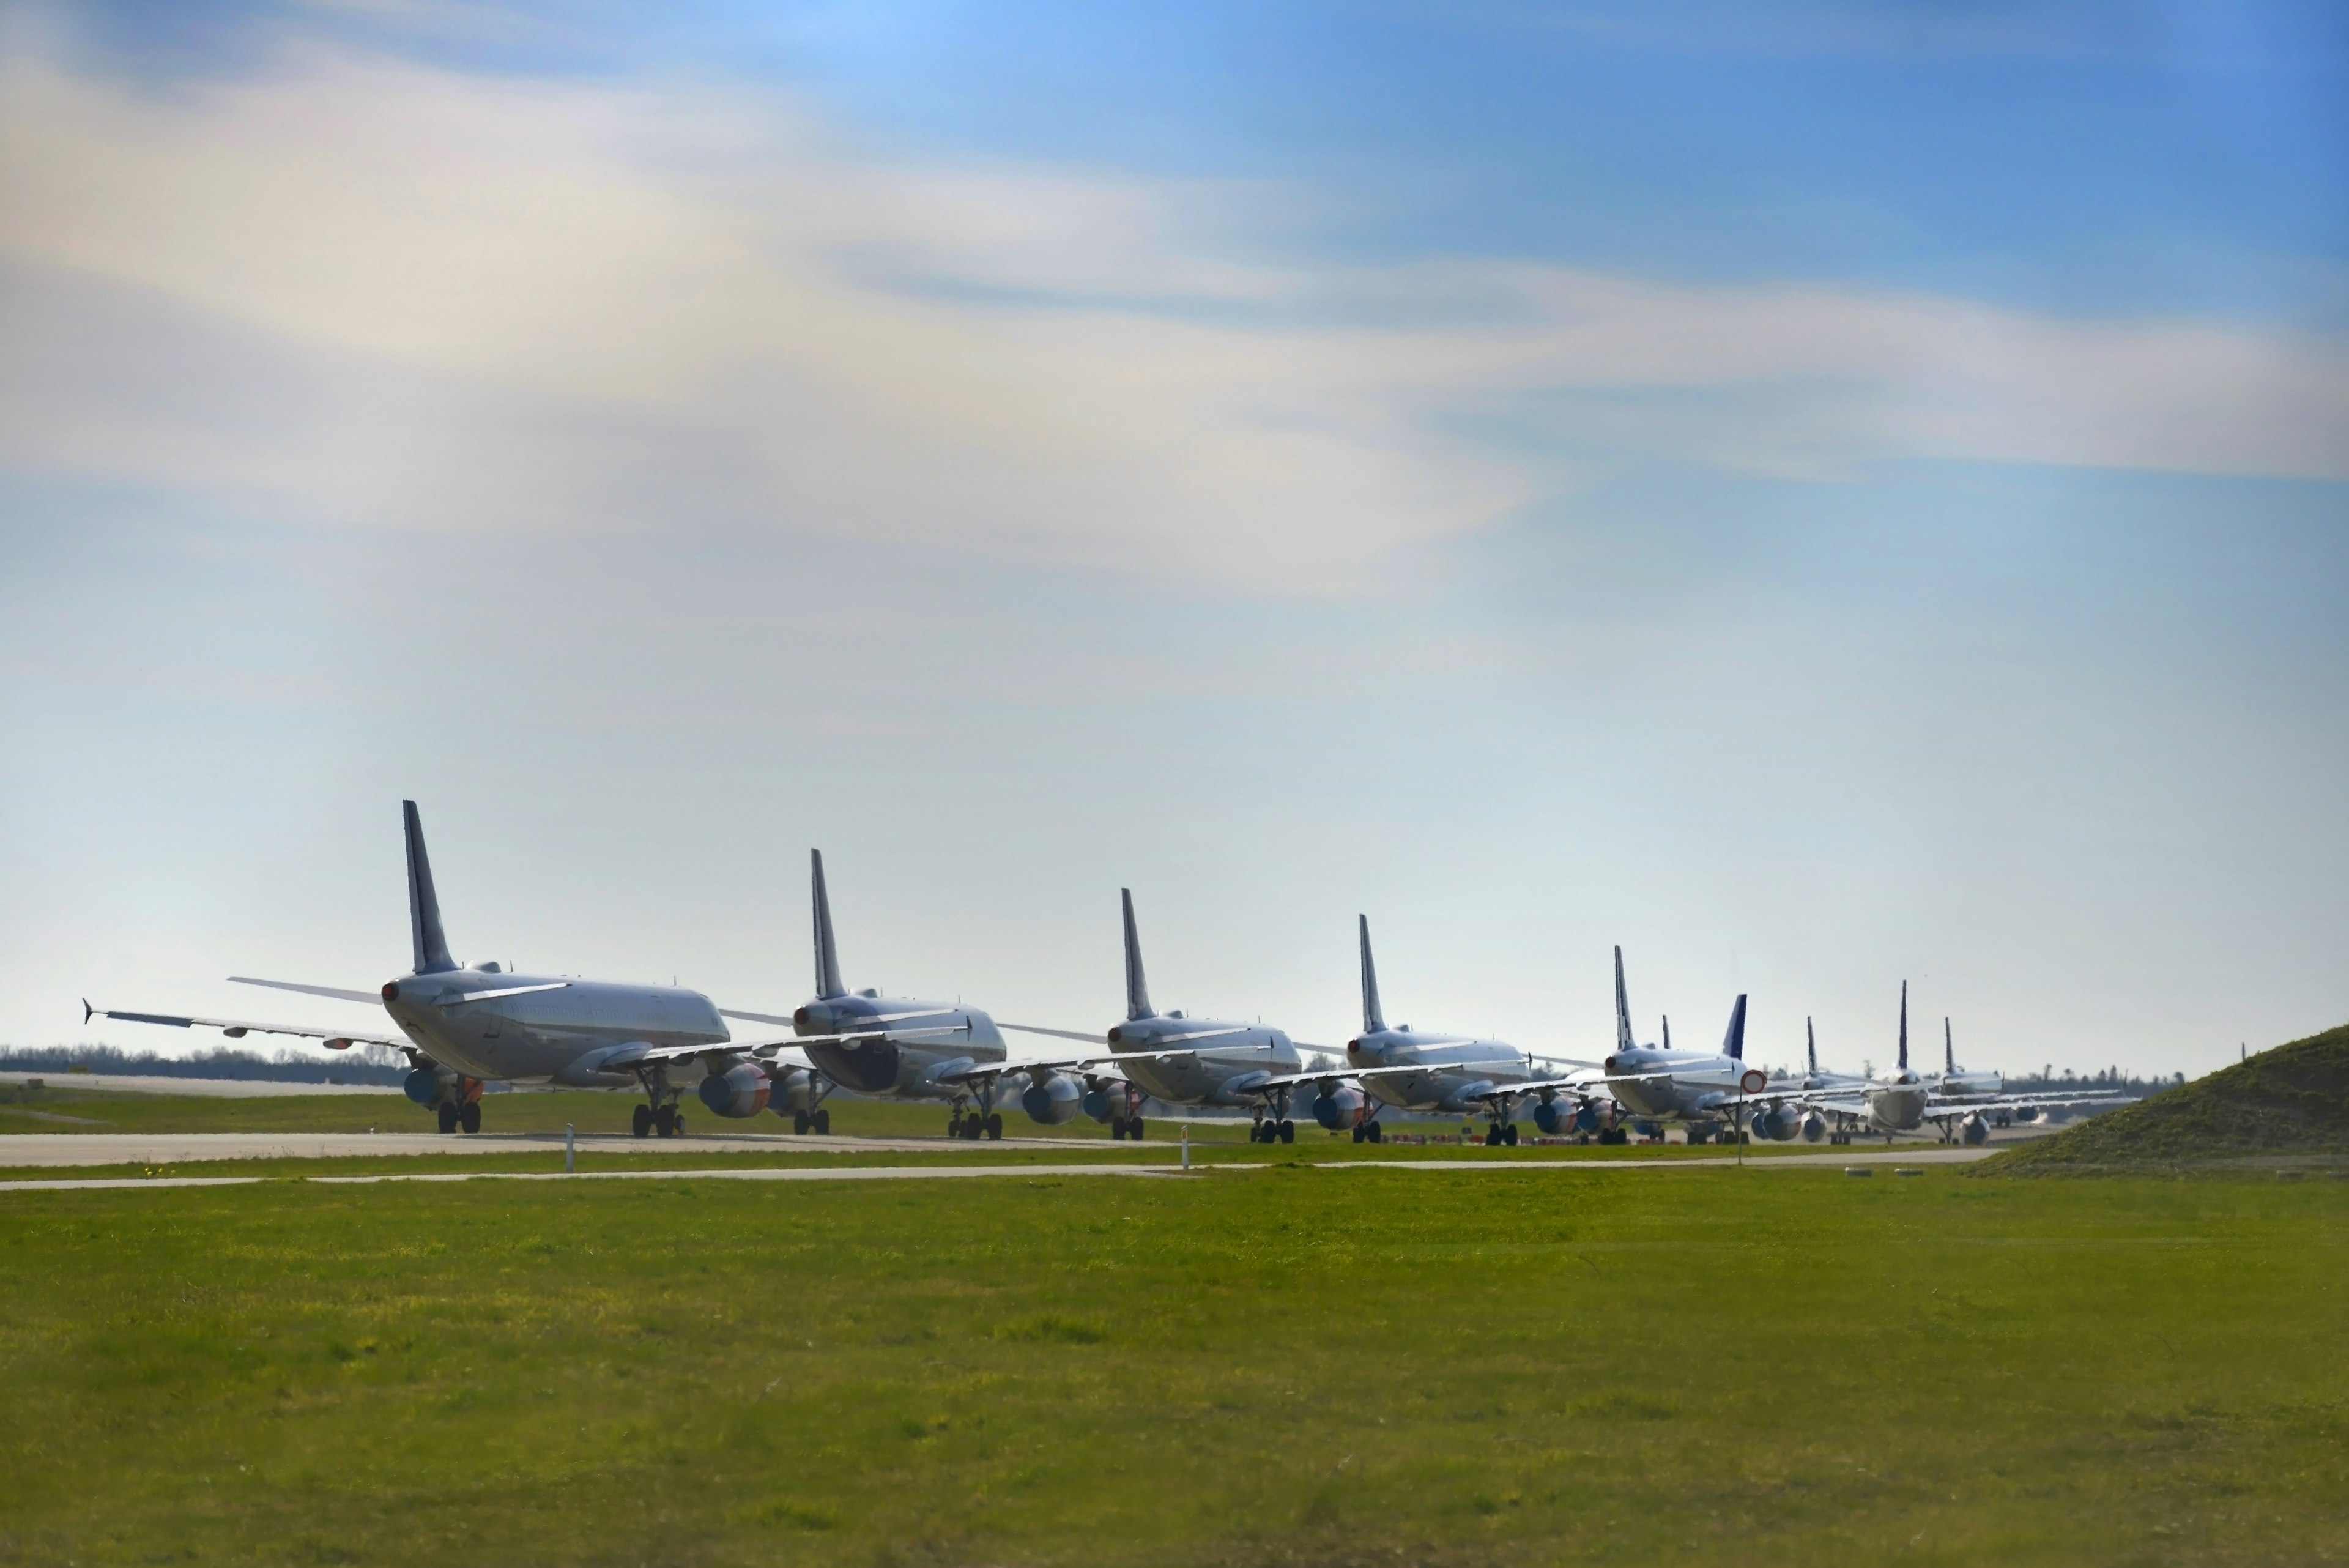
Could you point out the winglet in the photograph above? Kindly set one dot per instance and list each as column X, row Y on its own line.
column 1733, row 1045
column 87, row 1012
column 1904, row 1026
column 1373, row 1022
column 1623, row 1040
column 423, row 904
column 1137, row 989
column 827, row 952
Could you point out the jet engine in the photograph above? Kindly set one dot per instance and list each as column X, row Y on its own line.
column 1779, row 1124
column 740, row 1090
column 1104, row 1100
column 423, row 1087
column 1051, row 1099
column 1338, row 1106
column 1814, row 1128
column 790, row 1090
column 1555, row 1117
column 1974, row 1129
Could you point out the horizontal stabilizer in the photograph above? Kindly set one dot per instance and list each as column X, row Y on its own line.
column 339, row 993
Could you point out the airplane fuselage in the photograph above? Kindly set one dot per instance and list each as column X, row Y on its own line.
column 1459, row 1069
column 547, row 1028
column 1675, row 1086
column 1228, row 1062
column 908, row 1057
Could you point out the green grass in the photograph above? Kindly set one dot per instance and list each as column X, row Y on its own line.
column 1282, row 1365
column 2282, row 1106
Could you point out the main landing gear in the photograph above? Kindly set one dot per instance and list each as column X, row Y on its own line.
column 976, row 1125
column 1125, row 1126
column 1270, row 1131
column 465, row 1111
column 819, row 1121
column 667, row 1120
column 1501, row 1134
column 1369, row 1132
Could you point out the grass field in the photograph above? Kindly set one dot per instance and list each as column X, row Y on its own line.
column 1280, row 1366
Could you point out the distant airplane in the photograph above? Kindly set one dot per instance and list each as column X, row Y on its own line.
column 891, row 1046
column 1249, row 1066
column 464, row 1026
column 1704, row 1089
column 1411, row 1070
column 1956, row 1082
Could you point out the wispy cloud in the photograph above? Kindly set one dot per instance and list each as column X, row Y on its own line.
column 385, row 294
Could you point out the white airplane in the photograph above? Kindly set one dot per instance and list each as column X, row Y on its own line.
column 1956, row 1082
column 1417, row 1070
column 1705, row 1090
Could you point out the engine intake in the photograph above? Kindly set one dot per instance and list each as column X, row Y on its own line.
column 739, row 1091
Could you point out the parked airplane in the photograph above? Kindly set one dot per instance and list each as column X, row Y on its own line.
column 1250, row 1064
column 1704, row 1089
column 1411, row 1070
column 860, row 1040
column 462, row 1026
column 1956, row 1082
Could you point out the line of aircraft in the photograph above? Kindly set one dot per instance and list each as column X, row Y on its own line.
column 462, row 1026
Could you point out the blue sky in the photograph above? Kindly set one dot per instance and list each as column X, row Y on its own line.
column 1824, row 499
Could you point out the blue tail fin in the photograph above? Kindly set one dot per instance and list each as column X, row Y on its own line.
column 827, row 952
column 1733, row 1045
column 423, row 904
column 1137, row 989
column 1811, row 1043
column 1373, row 1020
column 1949, row 1050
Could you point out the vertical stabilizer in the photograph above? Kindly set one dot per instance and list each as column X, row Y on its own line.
column 1949, row 1051
column 1623, row 1040
column 827, row 952
column 1904, row 1026
column 1668, row 1031
column 1373, row 1020
column 1733, row 1045
column 1137, row 989
column 1811, row 1044
column 423, row 904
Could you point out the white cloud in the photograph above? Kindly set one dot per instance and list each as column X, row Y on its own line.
column 382, row 294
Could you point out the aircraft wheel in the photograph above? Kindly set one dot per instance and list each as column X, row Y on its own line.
column 800, row 1123
column 1378, row 1133
column 1117, row 1129
column 994, row 1124
column 1509, row 1134
column 677, row 1124
column 469, row 1115
column 664, row 1121
column 1288, row 1131
column 447, row 1114
column 824, row 1124
column 1360, row 1135
column 642, row 1122
column 954, row 1125
column 1133, row 1129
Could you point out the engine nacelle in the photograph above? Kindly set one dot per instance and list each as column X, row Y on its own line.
column 1777, row 1122
column 1103, row 1102
column 1974, row 1129
column 1814, row 1128
column 1338, row 1107
column 1555, row 1117
column 739, row 1091
column 791, row 1090
column 423, row 1087
column 1053, row 1101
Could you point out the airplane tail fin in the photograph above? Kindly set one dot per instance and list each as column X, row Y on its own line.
column 1623, row 1040
column 1373, row 1020
column 827, row 952
column 1668, row 1031
column 1904, row 1026
column 1137, row 989
column 423, row 904
column 1811, row 1043
column 1733, row 1045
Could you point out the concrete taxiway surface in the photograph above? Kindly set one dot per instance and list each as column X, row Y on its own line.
column 41, row 1149
column 1886, row 1160
column 209, row 1088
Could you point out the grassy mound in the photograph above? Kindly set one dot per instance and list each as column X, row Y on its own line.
column 2291, row 1101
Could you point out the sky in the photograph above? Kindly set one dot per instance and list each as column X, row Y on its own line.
column 1823, row 496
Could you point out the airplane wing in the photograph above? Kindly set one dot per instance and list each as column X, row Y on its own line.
column 1096, row 1038
column 237, row 1028
column 875, row 1018
column 1356, row 1073
column 371, row 997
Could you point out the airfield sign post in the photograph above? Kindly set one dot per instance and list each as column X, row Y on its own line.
column 570, row 1156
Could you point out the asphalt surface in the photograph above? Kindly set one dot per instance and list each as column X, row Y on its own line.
column 1875, row 1161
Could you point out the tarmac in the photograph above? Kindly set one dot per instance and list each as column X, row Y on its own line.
column 321, row 1146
